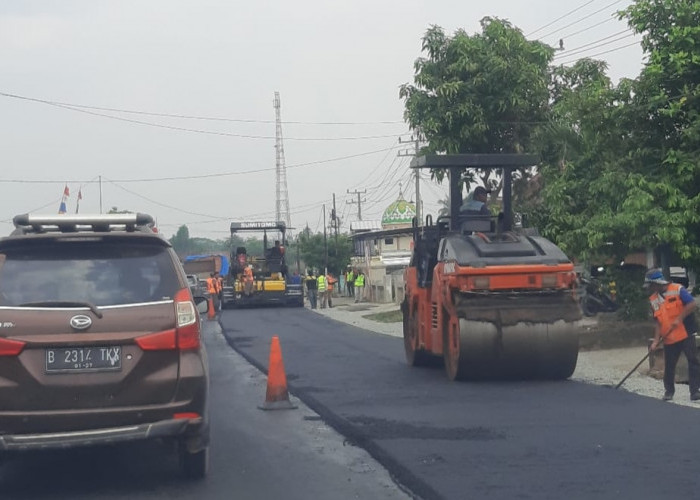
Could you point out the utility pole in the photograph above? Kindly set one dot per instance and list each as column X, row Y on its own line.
column 325, row 243
column 416, row 140
column 336, row 223
column 359, row 201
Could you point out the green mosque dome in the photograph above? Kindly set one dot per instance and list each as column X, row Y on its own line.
column 399, row 212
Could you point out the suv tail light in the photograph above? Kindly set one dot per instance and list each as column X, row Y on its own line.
column 159, row 341
column 188, row 335
column 9, row 347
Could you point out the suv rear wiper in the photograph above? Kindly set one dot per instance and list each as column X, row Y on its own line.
column 65, row 303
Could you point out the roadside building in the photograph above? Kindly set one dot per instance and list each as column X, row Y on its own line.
column 383, row 250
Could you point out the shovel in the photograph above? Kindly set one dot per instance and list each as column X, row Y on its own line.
column 635, row 367
column 661, row 340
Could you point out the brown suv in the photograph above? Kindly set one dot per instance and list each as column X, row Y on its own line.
column 99, row 338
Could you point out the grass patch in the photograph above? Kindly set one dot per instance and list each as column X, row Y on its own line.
column 386, row 317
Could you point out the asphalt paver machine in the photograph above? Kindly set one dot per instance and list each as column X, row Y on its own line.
column 270, row 281
column 492, row 301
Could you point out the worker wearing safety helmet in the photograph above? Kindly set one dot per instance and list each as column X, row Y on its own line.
column 675, row 325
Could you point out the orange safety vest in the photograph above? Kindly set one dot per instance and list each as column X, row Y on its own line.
column 666, row 309
column 247, row 274
column 219, row 284
column 211, row 287
column 330, row 280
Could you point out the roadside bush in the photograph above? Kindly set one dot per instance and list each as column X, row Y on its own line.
column 632, row 298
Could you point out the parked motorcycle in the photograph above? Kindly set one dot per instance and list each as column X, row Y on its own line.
column 595, row 298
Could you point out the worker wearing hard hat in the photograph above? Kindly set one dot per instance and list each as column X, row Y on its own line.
column 675, row 326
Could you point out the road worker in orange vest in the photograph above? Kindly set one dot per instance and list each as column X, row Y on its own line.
column 674, row 315
column 213, row 290
column 248, row 280
column 330, row 284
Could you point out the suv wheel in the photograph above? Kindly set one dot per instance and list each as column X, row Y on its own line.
column 195, row 465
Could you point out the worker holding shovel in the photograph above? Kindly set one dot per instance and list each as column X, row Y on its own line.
column 674, row 309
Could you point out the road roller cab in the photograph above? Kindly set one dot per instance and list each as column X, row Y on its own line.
column 490, row 301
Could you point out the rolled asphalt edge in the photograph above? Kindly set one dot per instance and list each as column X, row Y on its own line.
column 606, row 367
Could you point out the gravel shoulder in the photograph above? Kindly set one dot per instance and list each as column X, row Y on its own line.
column 605, row 367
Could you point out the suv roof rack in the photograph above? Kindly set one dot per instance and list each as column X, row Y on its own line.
column 26, row 223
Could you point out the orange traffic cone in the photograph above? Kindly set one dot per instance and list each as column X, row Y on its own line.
column 277, row 397
column 211, row 313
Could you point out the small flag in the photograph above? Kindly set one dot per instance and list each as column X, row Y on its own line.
column 77, row 202
column 62, row 206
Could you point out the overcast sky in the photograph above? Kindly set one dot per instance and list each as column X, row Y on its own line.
column 337, row 65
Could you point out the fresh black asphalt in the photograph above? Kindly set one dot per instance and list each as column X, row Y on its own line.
column 496, row 440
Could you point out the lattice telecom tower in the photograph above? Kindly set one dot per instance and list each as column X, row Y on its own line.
column 282, row 195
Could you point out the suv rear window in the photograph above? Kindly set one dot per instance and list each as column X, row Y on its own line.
column 102, row 273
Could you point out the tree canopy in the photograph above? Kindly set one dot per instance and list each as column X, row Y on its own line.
column 312, row 251
column 186, row 245
column 619, row 167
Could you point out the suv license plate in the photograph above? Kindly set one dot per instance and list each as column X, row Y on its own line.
column 84, row 359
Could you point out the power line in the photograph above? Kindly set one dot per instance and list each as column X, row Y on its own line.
column 54, row 202
column 560, row 18
column 202, row 176
column 165, row 205
column 211, row 218
column 581, row 19
column 567, row 36
column 600, row 53
column 193, row 130
column 595, row 45
column 192, row 117
column 375, row 169
column 387, row 191
column 388, row 176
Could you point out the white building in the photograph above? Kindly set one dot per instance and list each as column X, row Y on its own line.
column 383, row 250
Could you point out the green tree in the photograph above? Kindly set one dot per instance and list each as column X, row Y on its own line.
column 115, row 210
column 578, row 205
column 181, row 240
column 485, row 93
column 620, row 171
column 186, row 245
column 312, row 251
column 664, row 183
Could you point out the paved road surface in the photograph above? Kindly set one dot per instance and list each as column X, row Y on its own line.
column 255, row 454
column 477, row 440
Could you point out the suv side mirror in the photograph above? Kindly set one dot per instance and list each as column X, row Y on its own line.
column 202, row 304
